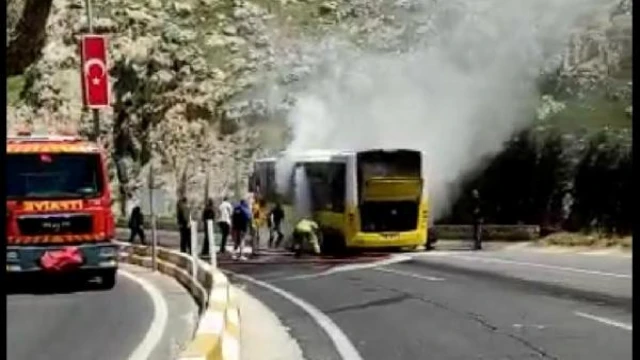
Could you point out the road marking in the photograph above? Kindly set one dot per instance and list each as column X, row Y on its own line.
column 605, row 321
column 521, row 326
column 543, row 266
column 409, row 274
column 342, row 343
column 159, row 322
column 607, row 253
column 349, row 267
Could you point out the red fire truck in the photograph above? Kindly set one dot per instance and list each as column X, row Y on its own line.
column 59, row 217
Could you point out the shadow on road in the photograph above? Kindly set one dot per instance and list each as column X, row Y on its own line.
column 50, row 284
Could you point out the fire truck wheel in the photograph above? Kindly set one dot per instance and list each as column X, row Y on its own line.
column 108, row 279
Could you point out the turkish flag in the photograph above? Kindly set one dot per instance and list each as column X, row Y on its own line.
column 95, row 71
column 67, row 258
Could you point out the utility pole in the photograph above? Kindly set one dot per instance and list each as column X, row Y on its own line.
column 152, row 214
column 236, row 176
column 96, row 114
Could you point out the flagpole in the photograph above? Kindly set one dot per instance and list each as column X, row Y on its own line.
column 96, row 113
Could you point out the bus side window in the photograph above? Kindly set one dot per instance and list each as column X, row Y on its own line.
column 338, row 187
column 269, row 183
column 315, row 178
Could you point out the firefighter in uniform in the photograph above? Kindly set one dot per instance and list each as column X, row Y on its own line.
column 257, row 210
column 306, row 236
column 477, row 220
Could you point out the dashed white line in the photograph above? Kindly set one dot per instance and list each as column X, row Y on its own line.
column 605, row 321
column 343, row 345
column 542, row 266
column 409, row 274
column 159, row 322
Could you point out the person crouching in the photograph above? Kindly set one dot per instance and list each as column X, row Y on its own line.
column 306, row 236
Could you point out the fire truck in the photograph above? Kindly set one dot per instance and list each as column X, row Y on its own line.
column 59, row 218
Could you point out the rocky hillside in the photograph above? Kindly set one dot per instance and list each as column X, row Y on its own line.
column 183, row 74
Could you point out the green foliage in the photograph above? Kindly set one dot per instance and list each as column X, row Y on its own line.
column 15, row 84
column 592, row 113
column 603, row 184
column 557, row 181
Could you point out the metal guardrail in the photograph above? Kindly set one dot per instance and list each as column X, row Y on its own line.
column 491, row 232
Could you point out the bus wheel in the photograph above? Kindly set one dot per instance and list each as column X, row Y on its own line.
column 332, row 244
column 108, row 279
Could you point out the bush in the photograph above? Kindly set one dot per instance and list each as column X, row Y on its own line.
column 558, row 181
column 603, row 186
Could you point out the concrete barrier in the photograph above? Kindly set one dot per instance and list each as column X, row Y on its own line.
column 489, row 232
column 218, row 334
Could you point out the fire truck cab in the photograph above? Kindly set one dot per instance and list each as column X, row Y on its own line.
column 59, row 217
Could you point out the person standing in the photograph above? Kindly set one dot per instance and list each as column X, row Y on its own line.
column 208, row 213
column 183, row 225
column 240, row 222
column 224, row 222
column 275, row 218
column 258, row 219
column 136, row 225
column 477, row 219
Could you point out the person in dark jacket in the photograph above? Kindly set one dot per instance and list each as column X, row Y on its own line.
column 209, row 213
column 477, row 219
column 240, row 221
column 275, row 224
column 183, row 225
column 136, row 225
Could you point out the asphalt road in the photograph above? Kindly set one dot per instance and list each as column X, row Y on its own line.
column 47, row 320
column 606, row 278
column 598, row 278
column 410, row 311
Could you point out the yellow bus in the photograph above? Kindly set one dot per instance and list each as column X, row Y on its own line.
column 361, row 199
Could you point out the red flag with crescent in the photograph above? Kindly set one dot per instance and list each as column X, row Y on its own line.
column 95, row 71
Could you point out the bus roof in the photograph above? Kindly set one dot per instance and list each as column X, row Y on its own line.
column 308, row 155
column 328, row 154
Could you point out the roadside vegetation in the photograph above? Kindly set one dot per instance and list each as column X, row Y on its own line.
column 15, row 84
column 576, row 185
column 567, row 239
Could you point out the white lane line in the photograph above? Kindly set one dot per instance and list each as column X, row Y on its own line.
column 409, row 274
column 542, row 266
column 159, row 322
column 342, row 343
column 605, row 321
column 349, row 267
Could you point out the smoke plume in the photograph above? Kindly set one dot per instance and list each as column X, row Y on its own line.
column 456, row 88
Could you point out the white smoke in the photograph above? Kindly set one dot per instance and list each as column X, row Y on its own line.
column 302, row 195
column 456, row 92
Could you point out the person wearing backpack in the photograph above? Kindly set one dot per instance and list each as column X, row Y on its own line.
column 240, row 221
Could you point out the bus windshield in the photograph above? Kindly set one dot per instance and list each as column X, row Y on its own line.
column 399, row 163
column 53, row 176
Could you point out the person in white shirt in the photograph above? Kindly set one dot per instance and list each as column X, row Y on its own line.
column 224, row 222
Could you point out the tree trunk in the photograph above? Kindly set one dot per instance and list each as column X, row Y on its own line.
column 28, row 38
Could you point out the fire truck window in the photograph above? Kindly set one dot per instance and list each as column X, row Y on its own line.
column 66, row 176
